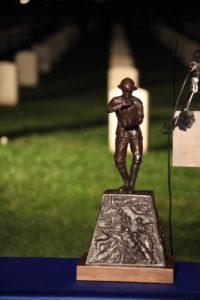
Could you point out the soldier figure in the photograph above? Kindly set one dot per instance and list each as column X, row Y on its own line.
column 129, row 112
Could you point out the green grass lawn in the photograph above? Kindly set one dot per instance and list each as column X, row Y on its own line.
column 56, row 167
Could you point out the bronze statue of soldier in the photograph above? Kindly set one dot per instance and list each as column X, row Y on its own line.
column 128, row 232
column 129, row 112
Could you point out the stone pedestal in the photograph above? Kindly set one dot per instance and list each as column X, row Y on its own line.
column 127, row 232
column 127, row 237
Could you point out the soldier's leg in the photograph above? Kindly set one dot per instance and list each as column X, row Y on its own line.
column 136, row 149
column 121, row 145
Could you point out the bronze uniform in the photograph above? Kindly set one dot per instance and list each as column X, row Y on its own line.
column 128, row 129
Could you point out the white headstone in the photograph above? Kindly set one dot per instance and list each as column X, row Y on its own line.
column 120, row 60
column 120, row 52
column 119, row 45
column 169, row 37
column 61, row 41
column 186, row 145
column 143, row 95
column 27, row 65
column 8, row 83
column 53, row 49
column 121, row 65
column 188, row 47
column 43, row 54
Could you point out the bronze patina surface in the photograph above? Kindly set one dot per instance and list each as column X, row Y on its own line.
column 128, row 230
column 129, row 112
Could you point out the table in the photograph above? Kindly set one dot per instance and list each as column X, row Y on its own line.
column 54, row 278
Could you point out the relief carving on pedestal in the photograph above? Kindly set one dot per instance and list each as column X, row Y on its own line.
column 127, row 233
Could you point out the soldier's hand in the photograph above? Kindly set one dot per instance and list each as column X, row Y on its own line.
column 126, row 103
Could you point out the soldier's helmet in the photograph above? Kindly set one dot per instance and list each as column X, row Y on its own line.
column 127, row 84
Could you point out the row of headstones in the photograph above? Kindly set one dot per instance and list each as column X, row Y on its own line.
column 14, row 37
column 28, row 64
column 169, row 37
column 184, row 142
column 121, row 65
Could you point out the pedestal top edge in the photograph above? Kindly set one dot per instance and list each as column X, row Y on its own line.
column 136, row 193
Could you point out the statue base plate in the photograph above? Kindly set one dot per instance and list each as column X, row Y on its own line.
column 126, row 273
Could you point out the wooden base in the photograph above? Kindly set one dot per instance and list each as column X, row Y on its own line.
column 125, row 273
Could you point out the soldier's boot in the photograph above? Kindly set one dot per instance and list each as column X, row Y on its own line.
column 124, row 174
column 133, row 176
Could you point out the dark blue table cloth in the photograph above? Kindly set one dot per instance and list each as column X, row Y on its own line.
column 54, row 278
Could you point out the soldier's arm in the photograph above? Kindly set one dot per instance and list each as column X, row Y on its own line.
column 116, row 104
column 113, row 105
column 140, row 110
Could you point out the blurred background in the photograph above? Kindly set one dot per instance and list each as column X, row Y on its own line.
column 60, row 62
